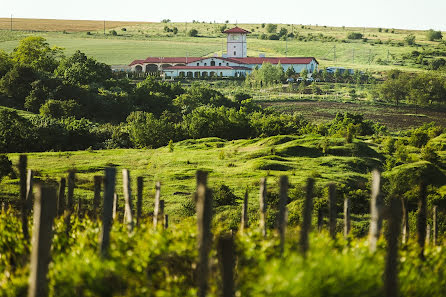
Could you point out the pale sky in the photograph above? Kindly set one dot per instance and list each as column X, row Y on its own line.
column 407, row 14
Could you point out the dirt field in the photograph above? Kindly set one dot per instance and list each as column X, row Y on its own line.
column 61, row 25
column 395, row 118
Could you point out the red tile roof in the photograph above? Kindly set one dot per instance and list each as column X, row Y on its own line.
column 237, row 30
column 207, row 67
column 167, row 60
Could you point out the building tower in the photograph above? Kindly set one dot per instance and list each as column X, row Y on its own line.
column 236, row 42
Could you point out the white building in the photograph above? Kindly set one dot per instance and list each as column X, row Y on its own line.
column 235, row 63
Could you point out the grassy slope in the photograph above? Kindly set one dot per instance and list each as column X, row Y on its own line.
column 237, row 164
column 142, row 40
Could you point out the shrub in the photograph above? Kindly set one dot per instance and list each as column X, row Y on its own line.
column 273, row 37
column 193, row 33
column 223, row 195
column 271, row 28
column 410, row 39
column 5, row 166
column 113, row 32
column 433, row 35
column 354, row 35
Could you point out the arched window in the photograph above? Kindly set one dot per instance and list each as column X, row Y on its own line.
column 212, row 63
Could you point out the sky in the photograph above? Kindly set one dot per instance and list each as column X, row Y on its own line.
column 398, row 14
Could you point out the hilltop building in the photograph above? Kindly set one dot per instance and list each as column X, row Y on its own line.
column 234, row 63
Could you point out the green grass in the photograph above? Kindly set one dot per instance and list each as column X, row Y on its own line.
column 143, row 40
column 238, row 164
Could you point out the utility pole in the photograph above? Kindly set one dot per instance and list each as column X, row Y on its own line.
column 104, row 27
column 11, row 22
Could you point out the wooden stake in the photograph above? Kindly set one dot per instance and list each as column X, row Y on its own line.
column 204, row 220
column 307, row 212
column 23, row 163
column 29, row 189
column 421, row 219
column 70, row 193
column 128, row 199
column 166, row 221
column 347, row 224
column 157, row 204
column 376, row 209
column 332, row 210
column 428, row 234
column 226, row 261
column 434, row 225
column 263, row 206
column 115, row 205
column 97, row 195
column 140, row 189
column 320, row 219
column 161, row 214
column 281, row 216
column 61, row 197
column 107, row 210
column 405, row 211
column 391, row 270
column 244, row 224
column 44, row 213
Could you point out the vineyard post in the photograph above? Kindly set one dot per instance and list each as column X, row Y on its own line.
column 44, row 214
column 405, row 237
column 226, row 259
column 97, row 195
column 421, row 219
column 115, row 205
column 23, row 163
column 347, row 222
column 320, row 219
column 166, row 221
column 376, row 210
column 107, row 209
column 281, row 216
column 244, row 224
column 128, row 199
column 263, row 205
column 70, row 193
column 434, row 225
column 333, row 213
column 161, row 213
column 204, row 220
column 428, row 234
column 29, row 189
column 139, row 189
column 79, row 207
column 61, row 197
column 157, row 204
column 392, row 234
column 307, row 211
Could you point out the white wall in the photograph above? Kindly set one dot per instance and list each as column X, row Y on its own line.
column 236, row 45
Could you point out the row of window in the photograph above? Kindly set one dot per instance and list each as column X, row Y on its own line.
column 212, row 64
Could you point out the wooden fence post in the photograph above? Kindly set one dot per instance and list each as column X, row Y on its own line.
column 332, row 209
column 376, row 210
column 405, row 211
column 307, row 212
column 428, row 234
column 244, row 223
column 115, row 205
column 320, row 219
column 263, row 205
column 107, row 210
column 61, row 197
column 97, row 196
column 70, row 193
column 23, row 163
column 166, row 221
column 157, row 204
column 226, row 261
column 139, row 189
column 392, row 234
column 347, row 222
column 434, row 225
column 421, row 219
column 44, row 213
column 204, row 237
column 281, row 216
column 128, row 199
column 161, row 213
column 29, row 189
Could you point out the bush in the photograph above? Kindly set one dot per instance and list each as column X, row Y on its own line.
column 410, row 39
column 223, row 195
column 193, row 33
column 5, row 166
column 113, row 32
column 271, row 28
column 354, row 35
column 433, row 35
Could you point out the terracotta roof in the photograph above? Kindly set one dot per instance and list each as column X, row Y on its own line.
column 208, row 68
column 167, row 60
column 237, row 30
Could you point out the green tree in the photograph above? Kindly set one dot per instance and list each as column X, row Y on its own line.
column 271, row 28
column 61, row 109
column 290, row 71
column 354, row 35
column 394, row 89
column 193, row 33
column 410, row 39
column 433, row 35
column 16, row 133
column 5, row 63
column 38, row 95
column 35, row 52
column 304, row 73
column 5, row 166
column 145, row 130
column 17, row 83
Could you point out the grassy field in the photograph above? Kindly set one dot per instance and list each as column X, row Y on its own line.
column 238, row 164
column 140, row 40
